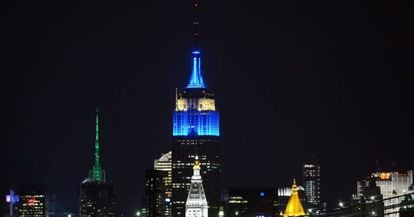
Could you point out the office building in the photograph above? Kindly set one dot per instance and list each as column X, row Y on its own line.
column 158, row 187
column 155, row 197
column 311, row 175
column 33, row 201
column 392, row 184
column 164, row 163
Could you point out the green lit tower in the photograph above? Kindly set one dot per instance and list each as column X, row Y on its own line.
column 97, row 197
column 97, row 174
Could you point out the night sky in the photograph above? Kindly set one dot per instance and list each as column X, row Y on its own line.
column 292, row 79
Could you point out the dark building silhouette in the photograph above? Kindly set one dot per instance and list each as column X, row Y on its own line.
column 252, row 202
column 33, row 201
column 373, row 200
column 155, row 197
column 369, row 203
column 97, row 199
column 407, row 206
column 55, row 207
column 96, row 196
column 184, row 150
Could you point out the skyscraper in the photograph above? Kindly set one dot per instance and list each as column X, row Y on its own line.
column 33, row 201
column 196, row 204
column 196, row 132
column 158, row 187
column 97, row 197
column 311, row 174
column 155, row 193
column 164, row 164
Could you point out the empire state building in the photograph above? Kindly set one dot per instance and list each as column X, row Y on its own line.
column 196, row 132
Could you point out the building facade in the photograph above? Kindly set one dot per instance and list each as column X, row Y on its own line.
column 184, row 151
column 33, row 201
column 155, row 196
column 158, row 187
column 55, row 207
column 372, row 203
column 392, row 184
column 196, row 204
column 245, row 202
column 164, row 163
column 97, row 199
column 311, row 175
column 96, row 195
column 407, row 206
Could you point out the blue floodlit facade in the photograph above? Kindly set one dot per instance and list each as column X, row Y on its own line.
column 196, row 123
column 195, row 113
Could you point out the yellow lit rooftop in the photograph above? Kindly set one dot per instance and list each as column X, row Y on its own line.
column 294, row 206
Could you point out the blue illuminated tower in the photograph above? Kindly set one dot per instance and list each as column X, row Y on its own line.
column 195, row 112
column 196, row 132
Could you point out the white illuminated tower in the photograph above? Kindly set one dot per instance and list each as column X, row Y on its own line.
column 196, row 205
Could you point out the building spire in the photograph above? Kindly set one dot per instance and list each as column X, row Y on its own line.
column 196, row 24
column 196, row 78
column 196, row 169
column 97, row 174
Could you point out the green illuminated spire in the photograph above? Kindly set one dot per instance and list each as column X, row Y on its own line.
column 97, row 174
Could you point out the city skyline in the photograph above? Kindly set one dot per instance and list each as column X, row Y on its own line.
column 313, row 91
